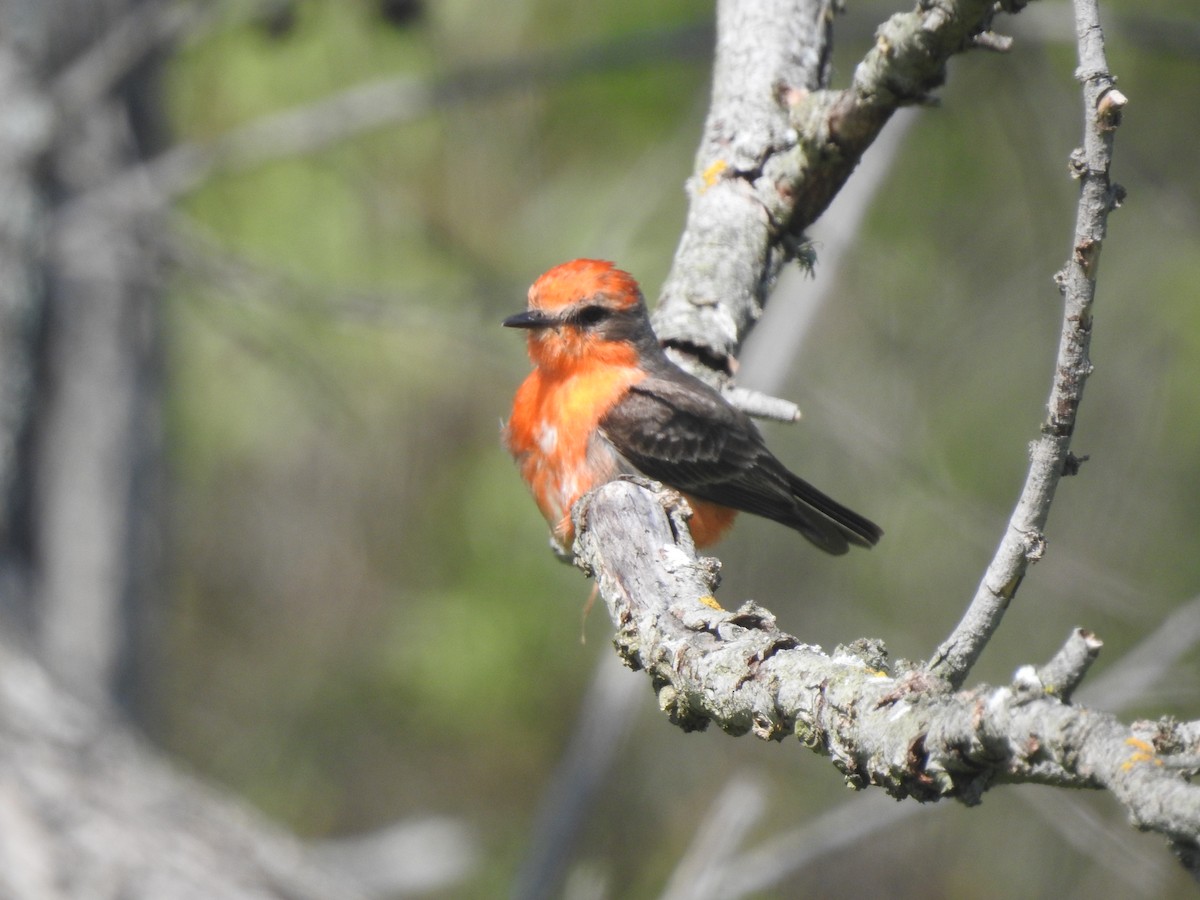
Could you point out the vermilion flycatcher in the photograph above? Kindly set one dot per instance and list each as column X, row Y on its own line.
column 604, row 400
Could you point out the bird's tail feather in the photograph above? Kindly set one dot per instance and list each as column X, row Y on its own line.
column 848, row 525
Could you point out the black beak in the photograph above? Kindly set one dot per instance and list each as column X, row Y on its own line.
column 531, row 318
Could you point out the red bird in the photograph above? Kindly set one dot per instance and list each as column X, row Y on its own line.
column 603, row 400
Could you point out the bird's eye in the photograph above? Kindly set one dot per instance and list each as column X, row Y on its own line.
column 591, row 315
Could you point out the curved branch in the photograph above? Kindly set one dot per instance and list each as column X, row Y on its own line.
column 737, row 670
column 1050, row 457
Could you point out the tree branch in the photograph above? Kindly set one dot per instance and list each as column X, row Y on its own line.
column 777, row 147
column 903, row 731
column 365, row 107
column 87, row 809
column 782, row 856
column 740, row 672
column 141, row 31
column 1066, row 670
column 1050, row 458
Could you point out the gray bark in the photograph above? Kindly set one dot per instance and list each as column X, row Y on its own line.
column 910, row 732
column 88, row 810
column 897, row 730
column 78, row 325
column 777, row 147
column 1050, row 456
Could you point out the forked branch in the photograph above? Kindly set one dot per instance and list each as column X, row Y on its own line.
column 778, row 146
column 739, row 671
column 912, row 732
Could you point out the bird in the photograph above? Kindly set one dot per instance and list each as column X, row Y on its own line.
column 604, row 401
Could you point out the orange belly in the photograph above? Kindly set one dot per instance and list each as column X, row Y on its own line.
column 552, row 435
column 709, row 521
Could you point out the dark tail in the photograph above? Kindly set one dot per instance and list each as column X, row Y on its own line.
column 827, row 523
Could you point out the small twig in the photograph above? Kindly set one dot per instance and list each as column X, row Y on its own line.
column 1129, row 680
column 145, row 29
column 989, row 40
column 365, row 107
column 1064, row 672
column 700, row 872
column 762, row 406
column 1023, row 542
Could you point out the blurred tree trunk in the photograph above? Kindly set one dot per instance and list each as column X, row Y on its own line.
column 80, row 462
column 87, row 809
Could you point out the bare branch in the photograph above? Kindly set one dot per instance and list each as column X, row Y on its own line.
column 366, row 107
column 700, row 871
column 763, row 406
column 1023, row 542
column 729, row 253
column 1138, row 670
column 783, row 855
column 739, row 671
column 1066, row 670
column 144, row 29
column 777, row 148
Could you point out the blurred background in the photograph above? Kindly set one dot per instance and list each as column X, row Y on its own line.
column 311, row 573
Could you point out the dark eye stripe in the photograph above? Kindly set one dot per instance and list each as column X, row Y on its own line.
column 591, row 315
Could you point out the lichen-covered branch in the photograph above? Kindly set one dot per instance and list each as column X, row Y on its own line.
column 913, row 732
column 1066, row 669
column 777, row 147
column 737, row 670
column 1050, row 457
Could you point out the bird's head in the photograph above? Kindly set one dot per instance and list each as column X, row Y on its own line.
column 586, row 311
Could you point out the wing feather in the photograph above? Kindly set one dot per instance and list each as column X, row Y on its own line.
column 674, row 428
